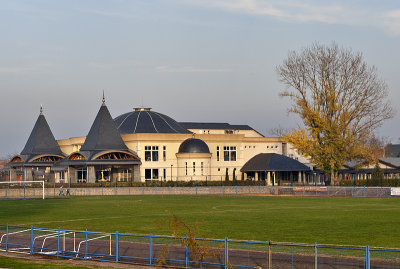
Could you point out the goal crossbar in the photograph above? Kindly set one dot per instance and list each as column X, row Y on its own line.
column 25, row 182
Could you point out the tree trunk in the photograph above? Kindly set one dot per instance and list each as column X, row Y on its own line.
column 333, row 174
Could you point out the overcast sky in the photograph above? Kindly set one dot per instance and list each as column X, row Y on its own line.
column 193, row 60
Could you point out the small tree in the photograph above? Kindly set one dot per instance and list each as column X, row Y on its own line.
column 226, row 175
column 234, row 174
column 242, row 176
column 377, row 174
column 186, row 234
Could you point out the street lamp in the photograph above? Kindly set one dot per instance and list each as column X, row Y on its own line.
column 171, row 171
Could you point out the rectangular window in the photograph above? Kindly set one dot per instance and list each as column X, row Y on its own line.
column 217, row 153
column 103, row 174
column 165, row 174
column 151, row 153
column 229, row 154
column 151, row 174
column 60, row 176
column 147, row 173
column 124, row 175
column 155, row 173
column 185, row 168
column 164, row 153
column 81, row 174
column 202, row 171
column 194, row 168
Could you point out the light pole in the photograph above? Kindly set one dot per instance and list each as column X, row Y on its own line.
column 171, row 171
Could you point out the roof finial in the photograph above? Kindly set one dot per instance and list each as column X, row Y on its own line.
column 41, row 109
column 104, row 99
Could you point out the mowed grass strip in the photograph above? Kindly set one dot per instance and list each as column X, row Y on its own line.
column 7, row 262
column 342, row 221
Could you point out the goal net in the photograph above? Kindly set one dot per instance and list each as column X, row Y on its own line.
column 22, row 190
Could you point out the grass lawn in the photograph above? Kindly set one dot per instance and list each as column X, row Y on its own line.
column 7, row 262
column 344, row 221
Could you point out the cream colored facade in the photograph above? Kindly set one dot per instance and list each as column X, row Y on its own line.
column 229, row 151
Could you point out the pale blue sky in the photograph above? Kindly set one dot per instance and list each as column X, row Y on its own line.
column 194, row 60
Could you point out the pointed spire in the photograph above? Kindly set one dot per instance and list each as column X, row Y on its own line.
column 41, row 109
column 104, row 99
column 103, row 134
column 41, row 139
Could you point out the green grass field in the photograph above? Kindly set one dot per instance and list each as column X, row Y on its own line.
column 344, row 221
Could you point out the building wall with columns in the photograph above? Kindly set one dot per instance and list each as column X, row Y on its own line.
column 228, row 151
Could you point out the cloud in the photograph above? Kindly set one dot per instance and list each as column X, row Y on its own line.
column 190, row 69
column 8, row 69
column 303, row 11
column 40, row 67
column 391, row 22
column 119, row 15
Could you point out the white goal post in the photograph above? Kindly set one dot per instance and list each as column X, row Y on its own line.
column 20, row 185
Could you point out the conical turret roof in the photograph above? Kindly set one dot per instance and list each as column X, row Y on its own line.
column 103, row 134
column 41, row 140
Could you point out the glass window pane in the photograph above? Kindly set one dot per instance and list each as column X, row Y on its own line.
column 147, row 156
column 155, row 156
column 147, row 173
column 233, row 156
column 155, row 173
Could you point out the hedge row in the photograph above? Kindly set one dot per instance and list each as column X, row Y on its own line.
column 390, row 182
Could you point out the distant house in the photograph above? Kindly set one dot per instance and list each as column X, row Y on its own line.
column 353, row 171
column 2, row 164
column 392, row 150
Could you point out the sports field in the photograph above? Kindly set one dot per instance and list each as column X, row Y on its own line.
column 344, row 221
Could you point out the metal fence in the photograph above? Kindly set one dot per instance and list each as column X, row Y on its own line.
column 181, row 252
column 32, row 192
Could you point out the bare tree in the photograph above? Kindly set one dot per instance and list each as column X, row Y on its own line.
column 278, row 131
column 340, row 100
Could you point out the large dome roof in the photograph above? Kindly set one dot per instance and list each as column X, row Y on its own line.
column 193, row 145
column 143, row 120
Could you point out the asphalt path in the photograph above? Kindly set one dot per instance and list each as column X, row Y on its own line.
column 135, row 250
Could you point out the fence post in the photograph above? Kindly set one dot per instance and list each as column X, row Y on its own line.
column 226, row 253
column 269, row 254
column 315, row 256
column 236, row 189
column 186, row 253
column 116, row 246
column 364, row 191
column 196, row 189
column 58, row 242
column 7, row 238
column 31, row 248
column 223, row 190
column 367, row 259
column 249, row 189
column 86, row 246
column 151, row 243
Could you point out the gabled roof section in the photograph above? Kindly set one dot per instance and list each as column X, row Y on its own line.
column 41, row 140
column 273, row 162
column 216, row 126
column 392, row 161
column 103, row 134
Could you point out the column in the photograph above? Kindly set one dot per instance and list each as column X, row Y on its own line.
column 136, row 173
column 269, row 178
column 91, row 174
